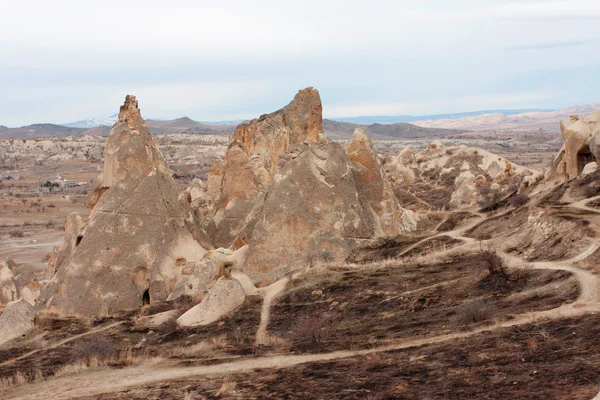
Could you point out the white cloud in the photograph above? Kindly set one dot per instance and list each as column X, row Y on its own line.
column 364, row 57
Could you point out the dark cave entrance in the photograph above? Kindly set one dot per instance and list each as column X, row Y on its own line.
column 584, row 157
column 146, row 297
column 78, row 240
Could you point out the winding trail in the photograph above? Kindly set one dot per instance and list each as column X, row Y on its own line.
column 110, row 381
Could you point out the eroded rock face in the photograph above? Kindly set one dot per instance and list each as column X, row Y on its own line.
column 317, row 209
column 130, row 151
column 582, row 144
column 250, row 163
column 454, row 177
column 140, row 235
column 8, row 289
column 375, row 184
column 196, row 277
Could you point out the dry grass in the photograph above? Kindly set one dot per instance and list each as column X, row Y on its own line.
column 202, row 348
column 226, row 389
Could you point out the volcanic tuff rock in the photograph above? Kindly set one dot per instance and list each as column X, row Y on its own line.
column 8, row 289
column 130, row 151
column 582, row 144
column 455, row 177
column 224, row 296
column 250, row 163
column 16, row 320
column 375, row 184
column 140, row 235
column 318, row 209
column 292, row 197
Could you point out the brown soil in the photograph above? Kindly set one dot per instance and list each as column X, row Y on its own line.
column 540, row 361
column 354, row 309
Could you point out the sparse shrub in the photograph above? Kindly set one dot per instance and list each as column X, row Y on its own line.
column 311, row 329
column 473, row 311
column 494, row 263
column 226, row 389
column 16, row 233
column 519, row 200
column 94, row 351
column 498, row 275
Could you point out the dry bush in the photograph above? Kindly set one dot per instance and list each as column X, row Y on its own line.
column 202, row 348
column 519, row 200
column 226, row 389
column 312, row 329
column 16, row 233
column 19, row 378
column 473, row 311
column 95, row 351
column 498, row 273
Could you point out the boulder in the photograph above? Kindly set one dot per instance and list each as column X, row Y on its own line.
column 139, row 238
column 196, row 277
column 589, row 168
column 16, row 320
column 223, row 297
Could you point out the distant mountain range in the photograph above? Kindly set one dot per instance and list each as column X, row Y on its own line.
column 393, row 119
column 94, row 122
column 340, row 128
column 523, row 122
column 343, row 130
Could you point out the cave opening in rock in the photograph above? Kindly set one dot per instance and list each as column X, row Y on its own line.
column 584, row 157
column 78, row 240
column 146, row 297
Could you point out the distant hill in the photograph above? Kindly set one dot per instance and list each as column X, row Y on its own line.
column 529, row 121
column 39, row 130
column 187, row 125
column 392, row 119
column 343, row 130
column 179, row 125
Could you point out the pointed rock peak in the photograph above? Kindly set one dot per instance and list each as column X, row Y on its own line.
column 359, row 142
column 129, row 110
column 130, row 152
column 359, row 134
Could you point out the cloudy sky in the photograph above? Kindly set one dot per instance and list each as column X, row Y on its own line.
column 66, row 60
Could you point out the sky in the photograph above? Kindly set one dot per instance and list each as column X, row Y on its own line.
column 63, row 61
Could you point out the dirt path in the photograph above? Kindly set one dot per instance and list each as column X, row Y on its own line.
column 62, row 342
column 269, row 294
column 107, row 381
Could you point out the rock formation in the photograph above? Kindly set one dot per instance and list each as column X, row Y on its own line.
column 8, row 289
column 17, row 282
column 130, row 151
column 140, row 235
column 454, row 177
column 250, row 163
column 16, row 320
column 223, row 297
column 292, row 197
column 582, row 145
